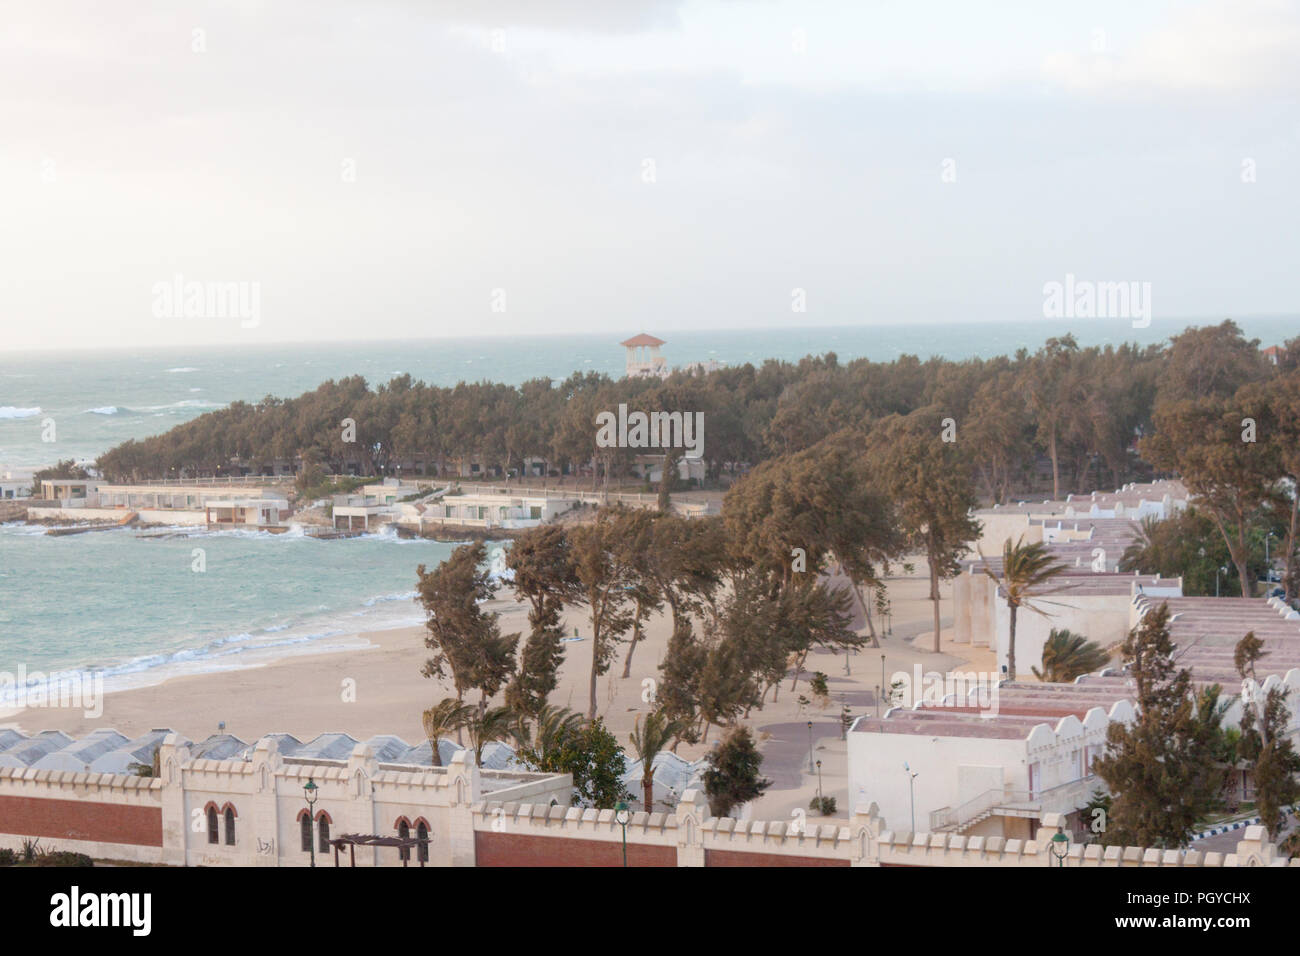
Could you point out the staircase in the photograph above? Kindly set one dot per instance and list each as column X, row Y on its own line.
column 1014, row 803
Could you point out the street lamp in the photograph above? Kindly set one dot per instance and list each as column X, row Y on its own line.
column 622, row 815
column 1060, row 846
column 810, row 748
column 911, row 788
column 309, row 791
column 819, row 781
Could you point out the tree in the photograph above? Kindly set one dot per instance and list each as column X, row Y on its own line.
column 1265, row 743
column 1045, row 387
column 468, row 643
column 66, row 469
column 1027, row 570
column 544, row 575
column 1067, row 656
column 1211, row 361
column 484, row 726
column 928, row 479
column 647, row 743
column 1163, row 768
column 732, row 777
column 605, row 578
column 1210, row 444
column 448, row 715
column 591, row 754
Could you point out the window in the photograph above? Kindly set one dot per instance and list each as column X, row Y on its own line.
column 323, row 828
column 422, row 831
column 535, row 511
column 212, row 825
column 230, row 826
column 306, row 832
column 404, row 831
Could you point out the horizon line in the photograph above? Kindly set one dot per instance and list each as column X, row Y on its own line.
column 1180, row 323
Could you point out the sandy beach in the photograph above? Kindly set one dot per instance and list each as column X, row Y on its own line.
column 370, row 683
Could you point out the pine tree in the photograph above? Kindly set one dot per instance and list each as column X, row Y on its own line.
column 732, row 778
column 1161, row 769
column 1264, row 741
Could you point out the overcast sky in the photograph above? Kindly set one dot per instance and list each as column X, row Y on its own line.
column 382, row 168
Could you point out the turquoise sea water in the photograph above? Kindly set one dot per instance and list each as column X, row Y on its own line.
column 132, row 604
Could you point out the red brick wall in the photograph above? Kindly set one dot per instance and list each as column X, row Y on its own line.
column 81, row 820
column 743, row 858
column 526, row 849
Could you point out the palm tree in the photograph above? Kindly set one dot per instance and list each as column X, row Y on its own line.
column 1067, row 656
column 495, row 723
column 554, row 725
column 1143, row 552
column 1026, row 568
column 658, row 733
column 442, row 718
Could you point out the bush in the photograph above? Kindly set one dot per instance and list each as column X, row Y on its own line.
column 8, row 857
column 62, row 858
column 823, row 805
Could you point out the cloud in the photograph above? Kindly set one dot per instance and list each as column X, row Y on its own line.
column 575, row 16
column 1229, row 48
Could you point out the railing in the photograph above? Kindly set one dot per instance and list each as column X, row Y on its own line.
column 215, row 482
column 1059, row 799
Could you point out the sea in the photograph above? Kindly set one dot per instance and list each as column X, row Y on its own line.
column 133, row 605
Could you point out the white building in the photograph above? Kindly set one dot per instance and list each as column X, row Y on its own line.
column 643, row 358
column 522, row 510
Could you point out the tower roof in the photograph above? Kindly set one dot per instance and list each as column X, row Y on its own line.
column 642, row 339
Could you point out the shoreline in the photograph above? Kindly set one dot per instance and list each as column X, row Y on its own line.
column 368, row 683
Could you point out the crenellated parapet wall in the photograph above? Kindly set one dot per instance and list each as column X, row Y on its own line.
column 100, row 814
column 482, row 818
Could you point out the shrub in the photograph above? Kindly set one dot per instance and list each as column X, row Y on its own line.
column 62, row 858
column 823, row 805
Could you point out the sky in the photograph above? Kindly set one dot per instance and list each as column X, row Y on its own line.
column 401, row 169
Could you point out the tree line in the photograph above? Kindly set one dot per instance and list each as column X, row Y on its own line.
column 1077, row 410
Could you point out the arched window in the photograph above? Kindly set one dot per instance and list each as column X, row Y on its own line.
column 305, row 823
column 422, row 831
column 212, row 825
column 230, row 826
column 404, row 831
column 323, row 828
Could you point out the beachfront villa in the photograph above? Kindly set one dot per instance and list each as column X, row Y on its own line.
column 218, row 505
column 651, row 468
column 68, row 492
column 10, row 488
column 1085, row 533
column 988, row 764
column 522, row 510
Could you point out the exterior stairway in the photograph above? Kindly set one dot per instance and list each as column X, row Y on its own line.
column 1065, row 798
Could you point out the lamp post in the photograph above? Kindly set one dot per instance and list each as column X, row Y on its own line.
column 877, row 701
column 819, row 781
column 883, row 685
column 810, row 748
column 911, row 789
column 309, row 791
column 622, row 815
column 1060, row 846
